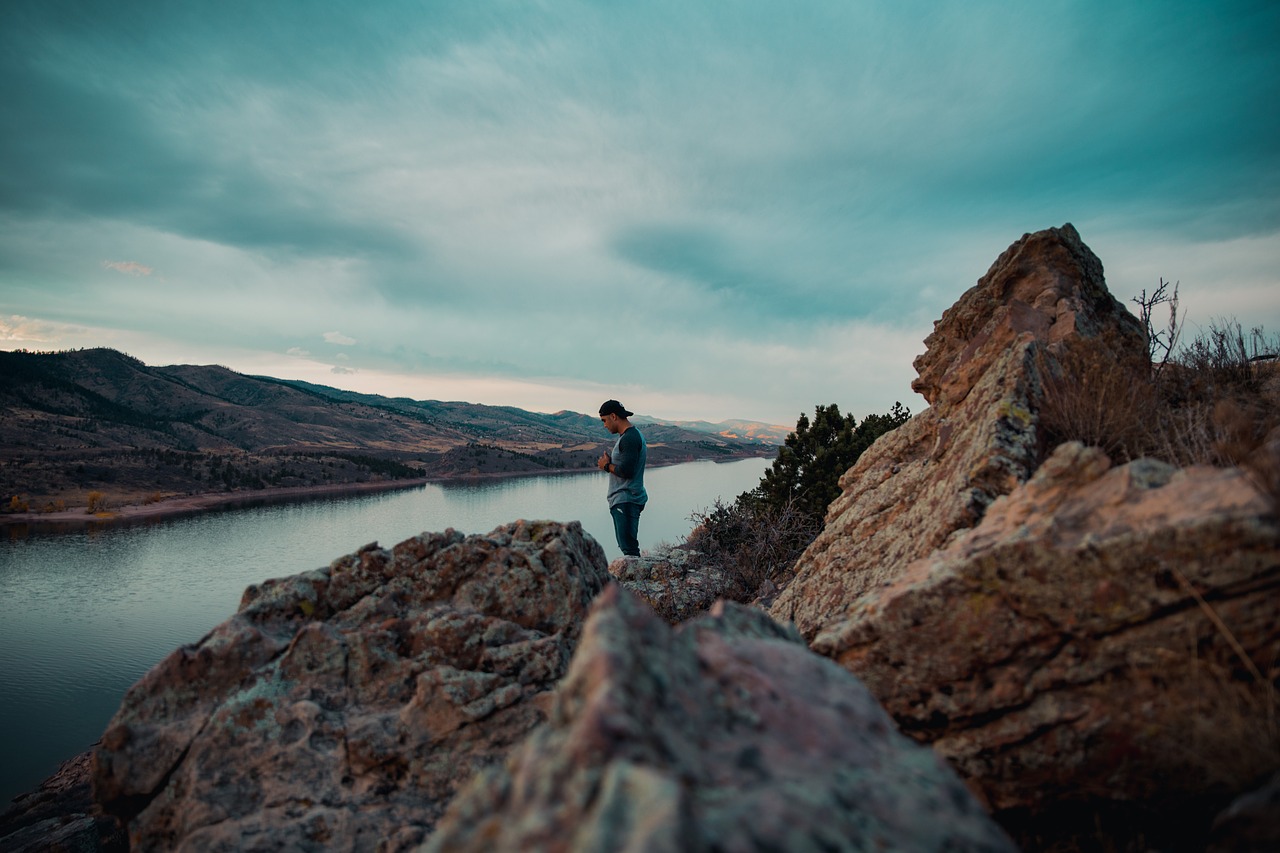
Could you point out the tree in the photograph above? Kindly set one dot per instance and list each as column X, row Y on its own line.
column 806, row 473
column 760, row 535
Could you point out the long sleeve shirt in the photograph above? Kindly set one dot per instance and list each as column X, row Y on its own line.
column 626, row 481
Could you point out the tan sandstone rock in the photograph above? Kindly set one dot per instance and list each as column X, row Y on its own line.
column 723, row 734
column 1097, row 636
column 939, row 472
column 341, row 708
column 1078, row 643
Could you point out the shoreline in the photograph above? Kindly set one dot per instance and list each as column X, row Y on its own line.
column 184, row 505
column 79, row 519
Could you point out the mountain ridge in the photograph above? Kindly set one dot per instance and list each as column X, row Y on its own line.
column 98, row 420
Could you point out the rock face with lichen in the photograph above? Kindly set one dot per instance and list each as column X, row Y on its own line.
column 1096, row 637
column 1074, row 636
column 340, row 709
column 723, row 734
column 678, row 584
column 939, row 472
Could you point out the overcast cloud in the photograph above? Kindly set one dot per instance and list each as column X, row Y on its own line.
column 706, row 210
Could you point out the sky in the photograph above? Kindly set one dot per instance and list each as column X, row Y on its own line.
column 713, row 210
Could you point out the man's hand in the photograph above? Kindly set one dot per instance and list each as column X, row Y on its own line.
column 603, row 462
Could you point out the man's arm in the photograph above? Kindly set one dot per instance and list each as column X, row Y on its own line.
column 627, row 459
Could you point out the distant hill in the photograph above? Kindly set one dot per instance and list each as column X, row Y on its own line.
column 752, row 432
column 97, row 419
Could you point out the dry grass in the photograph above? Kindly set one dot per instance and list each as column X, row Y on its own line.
column 1216, row 402
column 755, row 544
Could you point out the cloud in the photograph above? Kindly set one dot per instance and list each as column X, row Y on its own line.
column 343, row 371
column 19, row 329
column 764, row 205
column 128, row 267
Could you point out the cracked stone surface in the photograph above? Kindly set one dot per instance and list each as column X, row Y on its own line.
column 1092, row 634
column 341, row 708
column 1078, row 642
column 938, row 473
column 725, row 733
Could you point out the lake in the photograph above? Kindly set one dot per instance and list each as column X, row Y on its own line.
column 83, row 615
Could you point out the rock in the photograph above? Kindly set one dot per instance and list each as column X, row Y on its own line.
column 341, row 708
column 723, row 734
column 938, row 473
column 1081, row 642
column 61, row 815
column 677, row 583
column 1089, row 640
column 1251, row 824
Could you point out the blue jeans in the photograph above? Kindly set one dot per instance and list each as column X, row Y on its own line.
column 626, row 527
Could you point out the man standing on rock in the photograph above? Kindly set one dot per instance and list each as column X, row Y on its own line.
column 625, row 466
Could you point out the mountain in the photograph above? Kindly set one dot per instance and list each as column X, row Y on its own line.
column 752, row 432
column 100, row 420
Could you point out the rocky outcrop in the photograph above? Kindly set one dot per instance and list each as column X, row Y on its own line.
column 939, row 472
column 341, row 708
column 61, row 815
column 1095, row 635
column 1251, row 824
column 723, row 734
column 677, row 583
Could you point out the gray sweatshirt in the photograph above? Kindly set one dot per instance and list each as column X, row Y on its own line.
column 626, row 481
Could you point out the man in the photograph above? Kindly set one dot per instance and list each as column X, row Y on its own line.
column 625, row 466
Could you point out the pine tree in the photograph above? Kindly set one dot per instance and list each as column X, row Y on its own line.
column 806, row 473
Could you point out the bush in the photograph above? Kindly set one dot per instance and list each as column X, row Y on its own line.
column 752, row 542
column 757, row 539
column 805, row 476
column 1214, row 401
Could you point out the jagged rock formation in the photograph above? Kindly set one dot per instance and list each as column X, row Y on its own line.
column 677, row 583
column 724, row 734
column 341, row 708
column 1094, row 634
column 939, row 472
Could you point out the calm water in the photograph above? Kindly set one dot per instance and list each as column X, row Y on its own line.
column 84, row 615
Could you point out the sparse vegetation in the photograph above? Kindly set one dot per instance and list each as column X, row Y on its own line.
column 758, row 538
column 754, row 543
column 1213, row 401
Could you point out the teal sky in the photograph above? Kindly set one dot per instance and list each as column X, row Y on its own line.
column 712, row 210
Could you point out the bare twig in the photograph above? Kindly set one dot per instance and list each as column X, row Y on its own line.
column 1230, row 637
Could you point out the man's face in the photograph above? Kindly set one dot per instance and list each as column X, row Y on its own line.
column 610, row 422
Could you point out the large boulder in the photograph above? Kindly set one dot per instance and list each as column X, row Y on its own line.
column 981, row 374
column 1097, row 638
column 1094, row 639
column 723, row 734
column 341, row 708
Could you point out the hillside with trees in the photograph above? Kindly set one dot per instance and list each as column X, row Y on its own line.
column 100, row 426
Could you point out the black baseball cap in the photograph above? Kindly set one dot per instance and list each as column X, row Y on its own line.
column 613, row 407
